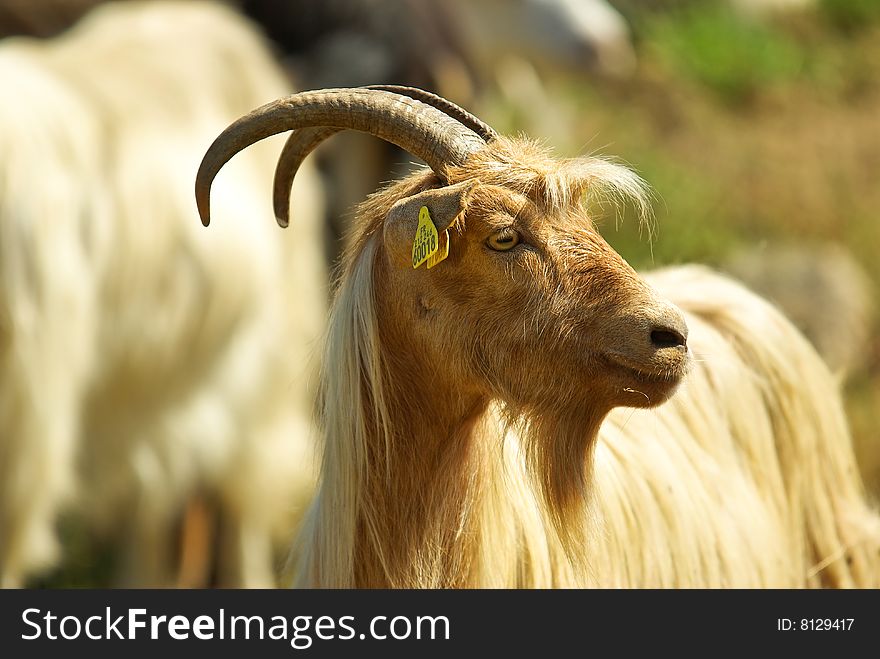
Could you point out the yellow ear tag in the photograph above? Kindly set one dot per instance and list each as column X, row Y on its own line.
column 428, row 245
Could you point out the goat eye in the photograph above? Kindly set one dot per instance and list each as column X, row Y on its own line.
column 503, row 240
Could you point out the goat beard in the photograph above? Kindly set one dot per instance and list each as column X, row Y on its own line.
column 559, row 450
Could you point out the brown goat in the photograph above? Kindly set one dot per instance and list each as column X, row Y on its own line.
column 463, row 405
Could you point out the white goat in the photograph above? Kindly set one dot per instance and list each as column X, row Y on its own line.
column 143, row 360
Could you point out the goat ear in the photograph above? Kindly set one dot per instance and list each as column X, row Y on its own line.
column 444, row 204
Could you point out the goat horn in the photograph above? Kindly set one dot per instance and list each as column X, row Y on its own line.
column 421, row 129
column 302, row 142
column 299, row 145
column 477, row 125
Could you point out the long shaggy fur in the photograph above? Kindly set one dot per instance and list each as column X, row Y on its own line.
column 144, row 359
column 745, row 479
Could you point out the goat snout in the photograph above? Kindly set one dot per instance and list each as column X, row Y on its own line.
column 652, row 340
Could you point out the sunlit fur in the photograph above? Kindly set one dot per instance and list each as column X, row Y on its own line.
column 480, row 458
column 144, row 359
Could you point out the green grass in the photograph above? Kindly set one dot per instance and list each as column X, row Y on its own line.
column 728, row 54
column 86, row 562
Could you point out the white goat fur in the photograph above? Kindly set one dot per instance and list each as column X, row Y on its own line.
column 746, row 478
column 143, row 358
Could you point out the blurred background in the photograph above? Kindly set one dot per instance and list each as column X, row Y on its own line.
column 755, row 122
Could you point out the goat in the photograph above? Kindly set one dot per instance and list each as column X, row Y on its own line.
column 137, row 370
column 471, row 436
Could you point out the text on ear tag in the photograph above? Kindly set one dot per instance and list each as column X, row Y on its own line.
column 426, row 242
column 442, row 252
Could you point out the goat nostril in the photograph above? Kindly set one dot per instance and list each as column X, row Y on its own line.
column 667, row 338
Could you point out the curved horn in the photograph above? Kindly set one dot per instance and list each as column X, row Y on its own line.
column 302, row 142
column 299, row 145
column 476, row 124
column 421, row 129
